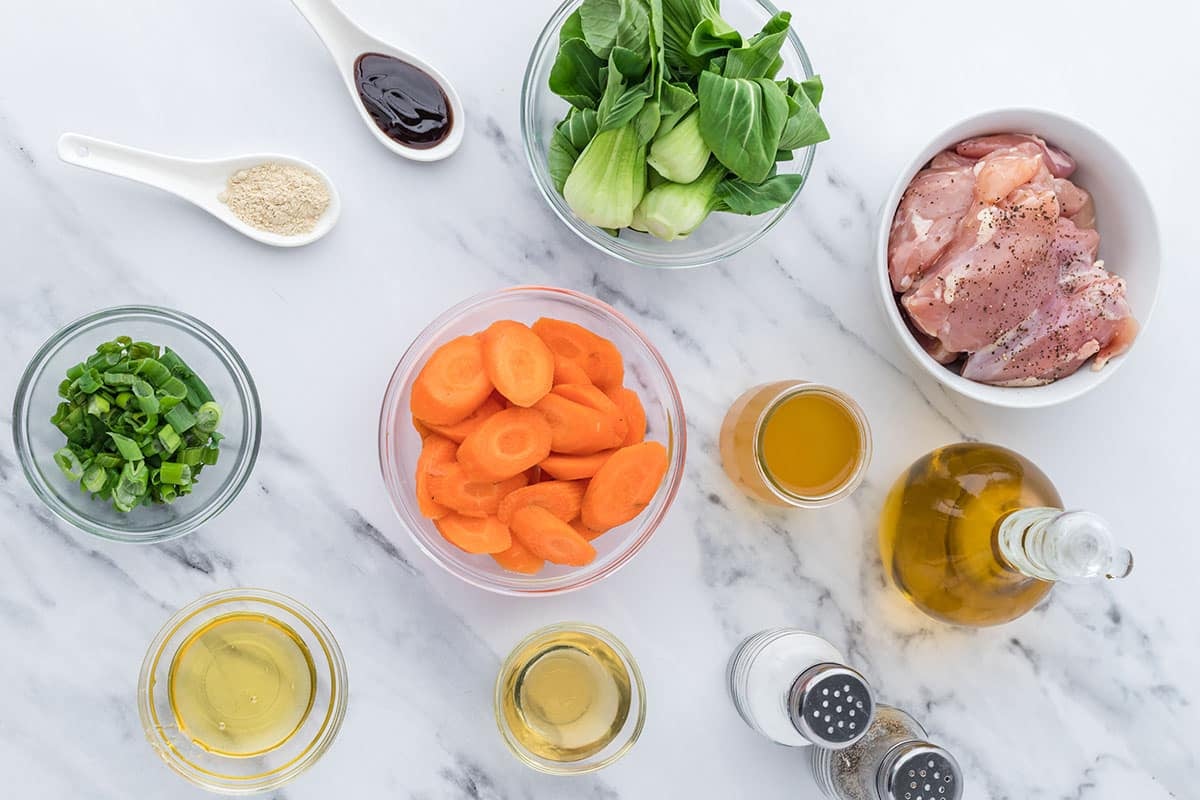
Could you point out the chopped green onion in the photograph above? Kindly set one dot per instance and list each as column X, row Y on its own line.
column 169, row 438
column 180, row 418
column 98, row 406
column 208, row 416
column 88, row 382
column 147, row 400
column 69, row 463
column 94, row 478
column 140, row 425
column 127, row 447
column 175, row 473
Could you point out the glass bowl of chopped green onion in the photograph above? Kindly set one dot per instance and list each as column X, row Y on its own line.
column 137, row 424
column 700, row 170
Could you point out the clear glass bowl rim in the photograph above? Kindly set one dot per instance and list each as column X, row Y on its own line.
column 390, row 470
column 613, row 246
column 247, row 456
column 635, row 675
column 339, row 691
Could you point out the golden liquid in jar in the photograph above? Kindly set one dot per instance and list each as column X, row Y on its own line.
column 241, row 685
column 566, row 697
column 937, row 534
column 785, row 444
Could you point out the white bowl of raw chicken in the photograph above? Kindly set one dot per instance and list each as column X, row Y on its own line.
column 1129, row 244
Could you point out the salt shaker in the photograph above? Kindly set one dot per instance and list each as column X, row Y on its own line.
column 793, row 688
column 894, row 761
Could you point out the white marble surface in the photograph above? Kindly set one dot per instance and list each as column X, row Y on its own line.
column 1092, row 696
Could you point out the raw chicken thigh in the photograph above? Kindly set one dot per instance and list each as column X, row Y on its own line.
column 993, row 251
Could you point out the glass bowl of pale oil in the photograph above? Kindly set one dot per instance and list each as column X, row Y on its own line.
column 795, row 443
column 242, row 690
column 570, row 699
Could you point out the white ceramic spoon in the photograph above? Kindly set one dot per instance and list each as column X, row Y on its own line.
column 198, row 181
column 346, row 42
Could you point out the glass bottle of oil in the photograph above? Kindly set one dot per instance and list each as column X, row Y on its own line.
column 975, row 534
column 569, row 695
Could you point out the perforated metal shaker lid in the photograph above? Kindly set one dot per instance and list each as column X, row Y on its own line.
column 919, row 771
column 831, row 705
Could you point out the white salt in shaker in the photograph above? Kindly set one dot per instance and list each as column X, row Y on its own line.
column 793, row 688
column 894, row 761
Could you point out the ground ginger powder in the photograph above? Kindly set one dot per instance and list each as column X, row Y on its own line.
column 278, row 198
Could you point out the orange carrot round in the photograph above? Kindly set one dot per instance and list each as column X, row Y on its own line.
column 598, row 357
column 585, row 531
column 575, row 428
column 475, row 534
column 624, row 486
column 563, row 499
column 506, row 444
column 568, row 371
column 548, row 537
column 573, row 468
column 435, row 451
column 635, row 415
column 517, row 558
column 587, row 395
column 450, row 486
column 452, row 384
column 460, row 430
column 518, row 363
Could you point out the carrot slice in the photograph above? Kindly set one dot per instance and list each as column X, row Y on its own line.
column 460, row 430
column 599, row 357
column 568, row 371
column 585, row 531
column 635, row 415
column 450, row 486
column 561, row 498
column 547, row 536
column 573, row 468
column 587, row 395
column 435, row 451
column 576, row 429
column 506, row 444
column 624, row 486
column 518, row 363
column 452, row 384
column 475, row 534
column 518, row 559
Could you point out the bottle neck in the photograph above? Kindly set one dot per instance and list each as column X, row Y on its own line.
column 1054, row 545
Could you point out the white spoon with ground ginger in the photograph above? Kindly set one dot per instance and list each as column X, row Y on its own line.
column 272, row 198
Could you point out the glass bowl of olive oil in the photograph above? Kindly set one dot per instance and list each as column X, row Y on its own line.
column 570, row 699
column 242, row 690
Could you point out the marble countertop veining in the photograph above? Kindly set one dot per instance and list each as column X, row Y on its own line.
column 1092, row 696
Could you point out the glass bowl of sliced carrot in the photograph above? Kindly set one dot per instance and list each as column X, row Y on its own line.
column 532, row 440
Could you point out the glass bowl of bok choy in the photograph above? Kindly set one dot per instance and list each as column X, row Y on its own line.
column 670, row 133
column 137, row 424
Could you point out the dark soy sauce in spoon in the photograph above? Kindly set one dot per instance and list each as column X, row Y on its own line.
column 405, row 101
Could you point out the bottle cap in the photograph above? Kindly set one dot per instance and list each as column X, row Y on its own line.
column 919, row 770
column 831, row 705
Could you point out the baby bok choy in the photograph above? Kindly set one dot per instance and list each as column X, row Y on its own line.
column 675, row 115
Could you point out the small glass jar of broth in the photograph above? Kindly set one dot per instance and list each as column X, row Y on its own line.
column 795, row 443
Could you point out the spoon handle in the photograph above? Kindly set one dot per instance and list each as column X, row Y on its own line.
column 333, row 27
column 175, row 175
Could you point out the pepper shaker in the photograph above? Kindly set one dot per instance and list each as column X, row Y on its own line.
column 893, row 761
column 793, row 688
